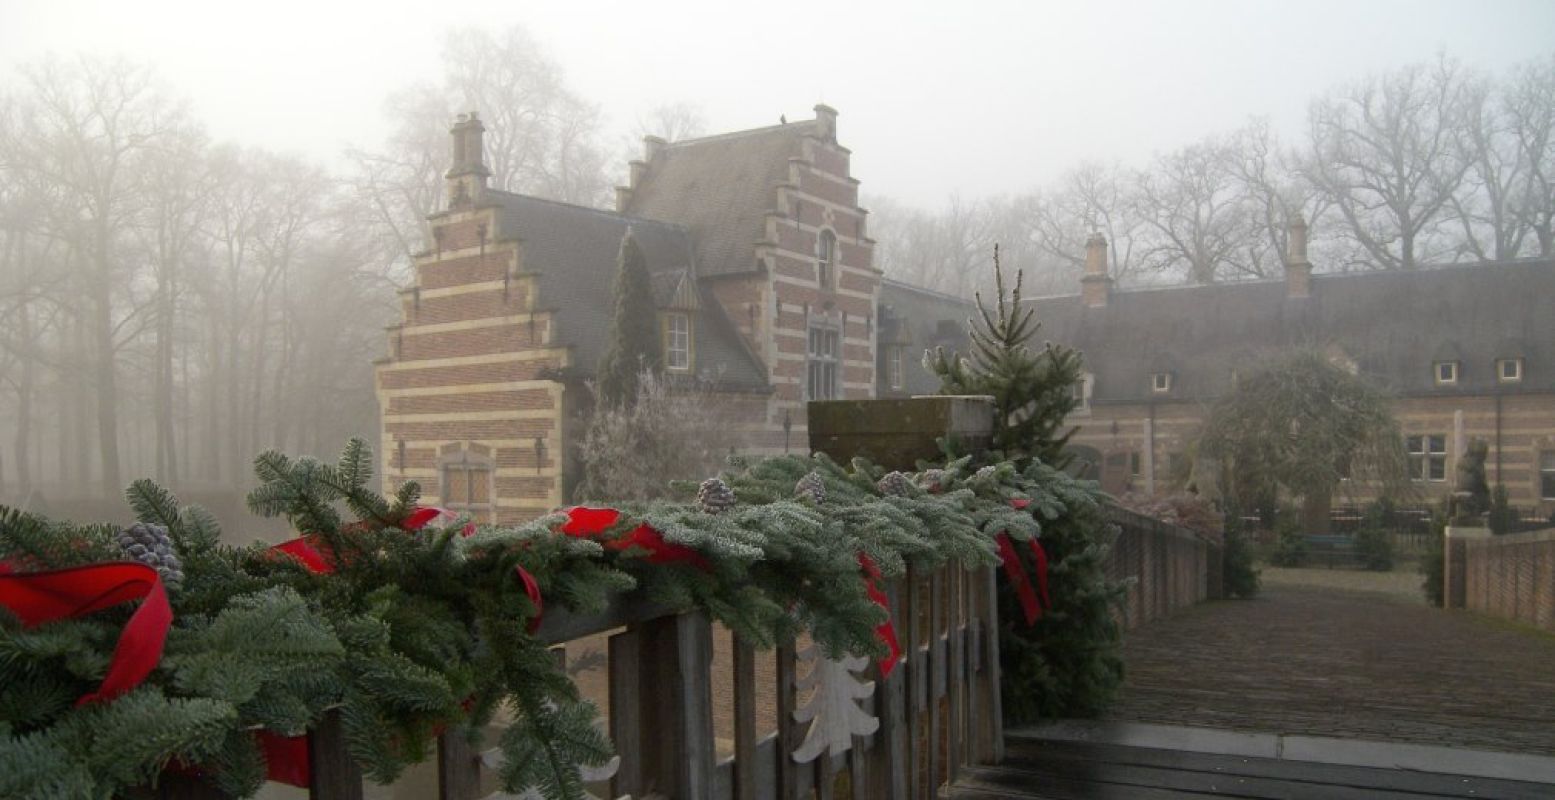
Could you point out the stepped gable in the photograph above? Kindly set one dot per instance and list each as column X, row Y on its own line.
column 1393, row 325
column 572, row 250
column 721, row 188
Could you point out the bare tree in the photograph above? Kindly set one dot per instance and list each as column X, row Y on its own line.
column 671, row 122
column 1200, row 218
column 86, row 129
column 1528, row 108
column 1386, row 153
column 1092, row 198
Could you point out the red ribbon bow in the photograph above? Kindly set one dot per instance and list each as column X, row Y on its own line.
column 586, row 523
column 40, row 597
column 885, row 631
column 1032, row 601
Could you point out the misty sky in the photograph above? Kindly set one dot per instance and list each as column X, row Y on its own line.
column 936, row 98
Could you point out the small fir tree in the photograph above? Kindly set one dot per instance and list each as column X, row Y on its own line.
column 1032, row 389
column 1068, row 664
column 634, row 329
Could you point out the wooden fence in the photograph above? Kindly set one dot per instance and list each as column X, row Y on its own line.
column 1512, row 577
column 1171, row 567
column 938, row 712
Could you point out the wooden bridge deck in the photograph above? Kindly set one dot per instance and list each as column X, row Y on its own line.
column 1306, row 692
column 1060, row 769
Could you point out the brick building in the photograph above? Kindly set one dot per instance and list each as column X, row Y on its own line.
column 764, row 281
column 1467, row 350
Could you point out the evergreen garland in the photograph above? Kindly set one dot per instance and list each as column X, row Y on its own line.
column 418, row 630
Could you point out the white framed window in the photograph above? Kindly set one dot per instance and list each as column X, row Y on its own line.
column 894, row 374
column 821, row 373
column 826, row 260
column 1081, row 390
column 1446, row 373
column 1509, row 370
column 1547, row 475
column 1161, row 382
column 677, row 342
column 1427, row 457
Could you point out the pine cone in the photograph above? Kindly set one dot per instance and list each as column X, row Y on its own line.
column 715, row 496
column 933, row 480
column 151, row 545
column 810, row 487
column 896, row 484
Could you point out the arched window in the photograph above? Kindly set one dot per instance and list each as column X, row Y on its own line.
column 826, row 259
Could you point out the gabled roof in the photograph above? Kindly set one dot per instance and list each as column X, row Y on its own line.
column 721, row 189
column 1392, row 324
column 573, row 252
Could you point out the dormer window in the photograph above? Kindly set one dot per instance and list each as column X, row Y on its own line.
column 826, row 259
column 1446, row 373
column 1161, row 382
column 1509, row 370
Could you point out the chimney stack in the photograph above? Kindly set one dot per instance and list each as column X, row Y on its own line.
column 1298, row 270
column 467, row 178
column 1096, row 285
column 826, row 122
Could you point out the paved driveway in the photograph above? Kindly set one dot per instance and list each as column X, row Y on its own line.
column 1329, row 662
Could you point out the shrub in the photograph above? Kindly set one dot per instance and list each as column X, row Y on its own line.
column 1431, row 566
column 1239, row 576
column 1290, row 542
column 1371, row 540
column 632, row 451
column 1502, row 517
column 1183, row 509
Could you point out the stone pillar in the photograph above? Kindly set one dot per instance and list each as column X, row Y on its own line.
column 1455, row 564
column 896, row 433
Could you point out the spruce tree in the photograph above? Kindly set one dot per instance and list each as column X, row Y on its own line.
column 634, row 329
column 1032, row 389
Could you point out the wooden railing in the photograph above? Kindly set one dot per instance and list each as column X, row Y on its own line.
column 938, row 712
column 1169, row 567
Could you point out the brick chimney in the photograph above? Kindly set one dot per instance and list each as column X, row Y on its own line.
column 1298, row 270
column 467, row 178
column 1096, row 285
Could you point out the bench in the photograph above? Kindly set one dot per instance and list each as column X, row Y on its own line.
column 1332, row 549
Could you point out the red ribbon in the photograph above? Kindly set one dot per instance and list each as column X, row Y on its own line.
column 1032, row 600
column 885, row 631
column 286, row 757
column 40, row 597
column 586, row 523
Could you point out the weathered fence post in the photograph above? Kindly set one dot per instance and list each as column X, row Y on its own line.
column 1455, row 563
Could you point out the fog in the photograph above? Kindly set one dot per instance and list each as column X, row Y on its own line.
column 205, row 212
